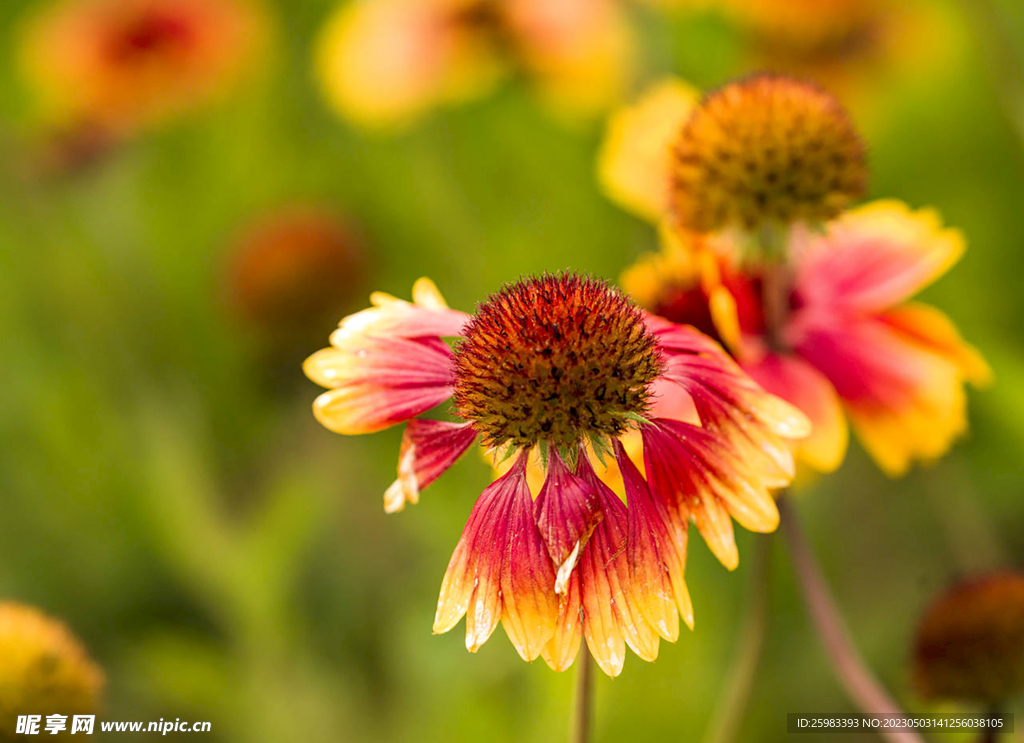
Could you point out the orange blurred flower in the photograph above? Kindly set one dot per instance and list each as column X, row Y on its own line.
column 565, row 368
column 814, row 309
column 129, row 64
column 384, row 63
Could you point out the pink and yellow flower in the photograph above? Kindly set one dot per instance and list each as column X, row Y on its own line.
column 844, row 342
column 384, row 63
column 128, row 64
column 567, row 367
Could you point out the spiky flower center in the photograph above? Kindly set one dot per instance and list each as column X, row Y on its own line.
column 555, row 360
column 768, row 149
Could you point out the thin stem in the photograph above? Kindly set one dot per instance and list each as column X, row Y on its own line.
column 990, row 734
column 584, row 700
column 731, row 708
column 862, row 687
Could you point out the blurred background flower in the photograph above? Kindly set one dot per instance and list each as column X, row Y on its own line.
column 132, row 63
column 45, row 669
column 969, row 646
column 384, row 63
column 224, row 557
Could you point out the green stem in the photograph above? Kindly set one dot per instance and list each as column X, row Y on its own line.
column 584, row 700
column 861, row 686
column 731, row 708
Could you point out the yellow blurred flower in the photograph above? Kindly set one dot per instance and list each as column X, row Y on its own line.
column 129, row 64
column 384, row 63
column 43, row 668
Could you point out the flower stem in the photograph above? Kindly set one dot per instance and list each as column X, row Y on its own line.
column 991, row 735
column 862, row 687
column 739, row 681
column 584, row 700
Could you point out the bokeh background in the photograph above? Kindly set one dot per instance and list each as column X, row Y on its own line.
column 167, row 492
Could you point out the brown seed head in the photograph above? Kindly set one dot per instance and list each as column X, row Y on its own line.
column 766, row 149
column 554, row 360
column 970, row 643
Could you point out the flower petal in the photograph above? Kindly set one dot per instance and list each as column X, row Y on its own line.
column 799, row 383
column 428, row 449
column 366, row 407
column 933, row 329
column 755, row 423
column 875, row 256
column 657, row 554
column 633, row 166
column 905, row 399
column 500, row 570
column 564, row 645
column 697, row 473
column 529, row 603
column 386, row 364
column 610, row 614
column 567, row 511
column 395, row 318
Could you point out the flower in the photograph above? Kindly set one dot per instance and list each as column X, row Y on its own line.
column 969, row 645
column 129, row 64
column 385, row 63
column 765, row 149
column 821, row 317
column 852, row 346
column 293, row 268
column 43, row 668
column 559, row 366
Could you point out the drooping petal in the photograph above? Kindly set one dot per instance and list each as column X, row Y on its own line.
column 875, row 256
column 633, row 166
column 567, row 511
column 699, row 474
column 758, row 426
column 428, row 449
column 799, row 383
column 500, row 571
column 529, row 603
column 904, row 397
column 611, row 616
column 656, row 553
column 564, row 645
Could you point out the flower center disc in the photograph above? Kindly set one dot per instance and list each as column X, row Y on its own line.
column 554, row 360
